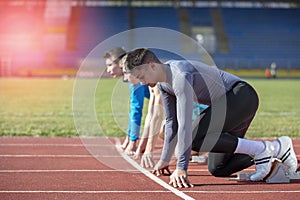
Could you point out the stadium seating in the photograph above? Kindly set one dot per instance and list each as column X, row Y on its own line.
column 251, row 37
column 256, row 37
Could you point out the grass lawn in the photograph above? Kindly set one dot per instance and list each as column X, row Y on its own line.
column 43, row 107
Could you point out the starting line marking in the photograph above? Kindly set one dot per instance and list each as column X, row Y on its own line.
column 85, row 192
column 64, row 170
column 57, row 156
column 53, row 145
column 151, row 191
column 75, row 170
column 69, row 145
column 244, row 192
column 150, row 175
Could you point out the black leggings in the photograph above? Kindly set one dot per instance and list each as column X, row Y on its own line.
column 219, row 135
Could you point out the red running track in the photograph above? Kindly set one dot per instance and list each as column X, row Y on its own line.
column 71, row 168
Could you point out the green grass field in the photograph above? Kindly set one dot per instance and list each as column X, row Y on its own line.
column 43, row 107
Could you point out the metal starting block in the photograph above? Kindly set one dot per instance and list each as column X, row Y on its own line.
column 278, row 174
column 199, row 159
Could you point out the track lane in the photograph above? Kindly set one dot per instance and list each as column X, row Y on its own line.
column 63, row 168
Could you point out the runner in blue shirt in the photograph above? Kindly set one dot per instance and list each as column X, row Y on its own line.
column 137, row 94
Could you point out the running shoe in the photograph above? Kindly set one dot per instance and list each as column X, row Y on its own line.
column 263, row 162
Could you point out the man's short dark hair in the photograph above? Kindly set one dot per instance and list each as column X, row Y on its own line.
column 139, row 57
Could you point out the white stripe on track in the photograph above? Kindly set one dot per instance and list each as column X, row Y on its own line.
column 243, row 192
column 151, row 191
column 69, row 145
column 57, row 156
column 84, row 192
column 150, row 175
column 53, row 145
column 80, row 170
column 73, row 145
column 63, row 170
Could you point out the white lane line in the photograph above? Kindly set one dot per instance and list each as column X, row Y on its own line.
column 64, row 156
column 151, row 191
column 150, row 175
column 85, row 170
column 63, row 170
column 243, row 192
column 68, row 145
column 79, row 170
column 85, row 192
column 53, row 145
column 58, row 156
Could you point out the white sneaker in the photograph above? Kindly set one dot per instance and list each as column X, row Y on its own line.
column 287, row 154
column 263, row 162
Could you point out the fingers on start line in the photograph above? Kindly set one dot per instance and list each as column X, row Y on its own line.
column 176, row 181
column 180, row 182
column 165, row 171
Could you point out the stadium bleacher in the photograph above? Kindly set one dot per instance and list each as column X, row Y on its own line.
column 256, row 37
column 263, row 36
column 250, row 37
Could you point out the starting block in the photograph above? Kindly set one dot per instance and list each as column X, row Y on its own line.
column 278, row 174
column 199, row 159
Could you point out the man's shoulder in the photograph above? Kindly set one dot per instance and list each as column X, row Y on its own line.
column 176, row 62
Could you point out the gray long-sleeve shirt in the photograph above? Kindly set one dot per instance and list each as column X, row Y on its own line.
column 188, row 81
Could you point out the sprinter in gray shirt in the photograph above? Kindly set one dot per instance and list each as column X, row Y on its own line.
column 220, row 129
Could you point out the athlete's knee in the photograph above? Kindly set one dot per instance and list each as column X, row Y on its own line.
column 218, row 172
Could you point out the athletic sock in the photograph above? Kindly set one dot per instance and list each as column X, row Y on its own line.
column 277, row 148
column 250, row 147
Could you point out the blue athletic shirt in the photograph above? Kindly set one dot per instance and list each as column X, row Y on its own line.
column 137, row 94
column 188, row 82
